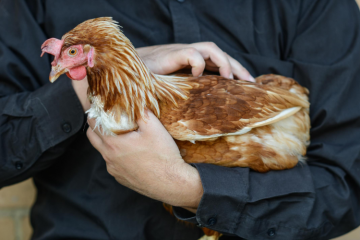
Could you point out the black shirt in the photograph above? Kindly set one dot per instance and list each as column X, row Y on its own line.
column 42, row 130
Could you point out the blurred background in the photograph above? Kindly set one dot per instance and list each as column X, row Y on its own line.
column 16, row 200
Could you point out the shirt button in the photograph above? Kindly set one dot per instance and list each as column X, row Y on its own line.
column 66, row 127
column 19, row 165
column 212, row 221
column 271, row 232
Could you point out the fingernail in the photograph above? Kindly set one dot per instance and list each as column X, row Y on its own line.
column 231, row 76
column 251, row 79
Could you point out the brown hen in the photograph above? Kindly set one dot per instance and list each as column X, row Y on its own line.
column 234, row 123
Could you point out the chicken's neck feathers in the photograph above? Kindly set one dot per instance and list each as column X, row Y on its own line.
column 124, row 83
column 119, row 78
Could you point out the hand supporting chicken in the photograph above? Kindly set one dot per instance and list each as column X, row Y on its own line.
column 232, row 123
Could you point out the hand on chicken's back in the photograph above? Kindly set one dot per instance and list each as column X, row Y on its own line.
column 166, row 59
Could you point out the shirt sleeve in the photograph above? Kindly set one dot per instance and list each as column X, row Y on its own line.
column 320, row 199
column 37, row 120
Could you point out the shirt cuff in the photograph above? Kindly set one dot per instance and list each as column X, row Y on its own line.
column 224, row 198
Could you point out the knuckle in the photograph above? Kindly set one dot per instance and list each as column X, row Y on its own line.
column 211, row 45
column 110, row 169
column 191, row 51
column 109, row 144
column 106, row 158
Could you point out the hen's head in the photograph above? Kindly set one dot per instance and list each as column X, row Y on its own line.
column 77, row 50
column 73, row 60
column 116, row 74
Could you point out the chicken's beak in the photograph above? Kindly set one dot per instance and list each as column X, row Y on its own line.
column 56, row 71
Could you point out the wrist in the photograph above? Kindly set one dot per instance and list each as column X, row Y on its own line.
column 189, row 188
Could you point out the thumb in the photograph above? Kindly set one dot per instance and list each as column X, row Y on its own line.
column 151, row 126
column 150, row 120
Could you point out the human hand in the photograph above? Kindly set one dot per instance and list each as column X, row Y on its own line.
column 149, row 162
column 166, row 59
column 80, row 88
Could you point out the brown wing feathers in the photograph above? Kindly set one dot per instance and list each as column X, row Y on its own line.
column 217, row 105
column 274, row 146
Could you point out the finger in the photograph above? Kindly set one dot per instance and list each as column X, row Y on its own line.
column 217, row 56
column 94, row 139
column 152, row 127
column 239, row 71
column 194, row 59
column 94, row 128
column 151, row 122
column 182, row 58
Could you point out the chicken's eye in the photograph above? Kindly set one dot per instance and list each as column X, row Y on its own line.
column 72, row 52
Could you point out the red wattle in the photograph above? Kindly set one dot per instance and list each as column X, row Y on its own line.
column 77, row 73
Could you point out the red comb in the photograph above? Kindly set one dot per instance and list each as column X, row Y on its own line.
column 53, row 47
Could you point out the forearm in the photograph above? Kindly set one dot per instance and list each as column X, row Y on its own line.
column 176, row 184
column 187, row 189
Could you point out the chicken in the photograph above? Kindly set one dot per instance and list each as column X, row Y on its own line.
column 263, row 125
column 234, row 123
